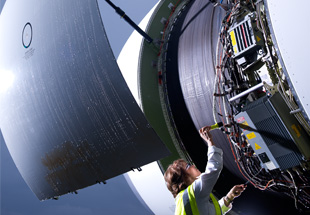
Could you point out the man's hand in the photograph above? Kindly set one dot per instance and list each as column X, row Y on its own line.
column 205, row 134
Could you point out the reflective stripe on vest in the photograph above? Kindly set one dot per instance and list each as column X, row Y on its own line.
column 217, row 206
column 186, row 203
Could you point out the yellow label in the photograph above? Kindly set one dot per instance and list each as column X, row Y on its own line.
column 258, row 38
column 244, row 125
column 251, row 135
column 233, row 38
column 294, row 127
column 257, row 147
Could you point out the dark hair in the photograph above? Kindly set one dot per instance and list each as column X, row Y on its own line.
column 176, row 177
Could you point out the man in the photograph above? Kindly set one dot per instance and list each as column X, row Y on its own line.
column 192, row 189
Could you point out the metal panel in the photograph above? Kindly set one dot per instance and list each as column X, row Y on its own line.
column 257, row 142
column 268, row 136
column 66, row 113
column 292, row 51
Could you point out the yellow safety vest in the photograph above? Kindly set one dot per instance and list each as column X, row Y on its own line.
column 186, row 203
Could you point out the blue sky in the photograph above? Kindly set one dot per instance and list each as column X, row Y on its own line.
column 113, row 198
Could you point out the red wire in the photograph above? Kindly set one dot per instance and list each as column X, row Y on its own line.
column 266, row 185
column 231, row 147
column 219, row 104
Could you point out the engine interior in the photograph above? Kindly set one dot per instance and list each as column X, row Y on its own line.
column 219, row 62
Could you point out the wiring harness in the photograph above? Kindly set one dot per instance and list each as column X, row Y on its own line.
column 232, row 79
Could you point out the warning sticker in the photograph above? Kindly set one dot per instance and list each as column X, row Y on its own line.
column 241, row 119
column 244, row 126
column 257, row 147
column 258, row 38
column 251, row 135
column 294, row 127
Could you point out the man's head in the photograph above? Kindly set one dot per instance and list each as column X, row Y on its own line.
column 180, row 175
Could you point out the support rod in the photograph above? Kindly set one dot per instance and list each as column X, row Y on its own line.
column 246, row 92
column 120, row 12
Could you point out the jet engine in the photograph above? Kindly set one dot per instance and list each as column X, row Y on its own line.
column 220, row 61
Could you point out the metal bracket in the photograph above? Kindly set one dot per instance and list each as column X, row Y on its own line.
column 271, row 89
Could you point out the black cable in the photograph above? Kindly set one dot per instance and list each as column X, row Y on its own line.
column 129, row 21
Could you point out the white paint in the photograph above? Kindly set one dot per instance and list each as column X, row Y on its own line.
column 291, row 27
column 6, row 80
column 149, row 183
